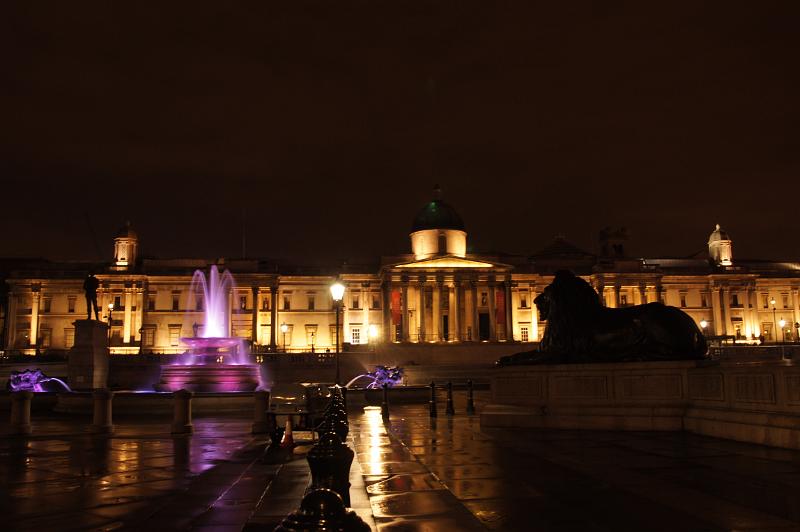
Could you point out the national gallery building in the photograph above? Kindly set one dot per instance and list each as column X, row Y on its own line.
column 437, row 295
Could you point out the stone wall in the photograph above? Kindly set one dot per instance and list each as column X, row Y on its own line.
column 756, row 402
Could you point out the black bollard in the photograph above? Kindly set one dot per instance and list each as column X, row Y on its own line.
column 449, row 410
column 433, row 400
column 322, row 509
column 385, row 404
column 330, row 461
column 470, row 399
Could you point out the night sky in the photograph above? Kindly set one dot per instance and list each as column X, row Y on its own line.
column 329, row 122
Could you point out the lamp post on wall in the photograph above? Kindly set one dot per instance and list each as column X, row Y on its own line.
column 703, row 326
column 284, row 330
column 783, row 338
column 337, row 293
column 774, row 318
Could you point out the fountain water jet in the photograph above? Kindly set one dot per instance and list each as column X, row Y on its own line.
column 215, row 362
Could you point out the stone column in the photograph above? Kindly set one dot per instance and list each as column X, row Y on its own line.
column 492, row 312
column 229, row 312
column 127, row 324
column 509, row 311
column 436, row 314
column 755, row 325
column 344, row 334
column 11, row 320
column 387, row 310
column 455, row 310
column 254, row 317
column 273, row 316
column 659, row 292
column 642, row 294
column 795, row 310
column 421, row 311
column 534, row 315
column 474, row 298
column 36, row 297
column 404, row 306
column 615, row 298
column 726, row 308
column 716, row 310
column 365, row 305
column 141, row 302
column 600, row 286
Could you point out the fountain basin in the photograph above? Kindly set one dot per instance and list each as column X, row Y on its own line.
column 209, row 378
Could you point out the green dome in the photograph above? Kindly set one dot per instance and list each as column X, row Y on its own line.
column 437, row 215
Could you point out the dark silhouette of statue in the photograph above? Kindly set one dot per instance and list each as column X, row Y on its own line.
column 90, row 286
column 580, row 330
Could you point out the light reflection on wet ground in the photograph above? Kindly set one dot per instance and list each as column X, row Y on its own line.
column 448, row 474
column 63, row 479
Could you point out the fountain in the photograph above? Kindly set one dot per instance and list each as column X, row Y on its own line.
column 214, row 362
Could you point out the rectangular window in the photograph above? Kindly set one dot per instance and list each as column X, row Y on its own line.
column 175, row 302
column 45, row 336
column 71, row 304
column 118, row 303
column 735, row 300
column 484, row 299
column 198, row 303
column 785, row 300
column 287, row 302
column 149, row 336
column 765, row 300
column 69, row 337
column 174, row 335
column 265, row 303
column 355, row 335
column 47, row 304
column 683, row 299
column 355, row 302
column 376, row 301
column 523, row 333
column 242, row 302
column 523, row 300
column 312, row 304
column 703, row 299
column 151, row 303
column 623, row 300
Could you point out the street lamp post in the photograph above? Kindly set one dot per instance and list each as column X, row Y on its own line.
column 337, row 293
column 284, row 330
column 704, row 326
column 774, row 318
column 783, row 338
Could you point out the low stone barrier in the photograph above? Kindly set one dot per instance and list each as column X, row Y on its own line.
column 756, row 402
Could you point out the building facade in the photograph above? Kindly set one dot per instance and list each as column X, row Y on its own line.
column 437, row 294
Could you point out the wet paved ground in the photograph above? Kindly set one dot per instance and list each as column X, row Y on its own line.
column 570, row 480
column 411, row 474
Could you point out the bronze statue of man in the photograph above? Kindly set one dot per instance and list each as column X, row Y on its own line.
column 90, row 286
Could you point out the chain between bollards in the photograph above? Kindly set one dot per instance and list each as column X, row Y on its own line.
column 450, row 410
column 432, row 403
column 470, row 398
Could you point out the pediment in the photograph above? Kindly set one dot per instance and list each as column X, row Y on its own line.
column 448, row 262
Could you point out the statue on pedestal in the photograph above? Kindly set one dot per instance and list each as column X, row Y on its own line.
column 90, row 286
column 581, row 330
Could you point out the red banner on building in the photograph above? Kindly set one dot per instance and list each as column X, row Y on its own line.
column 397, row 308
column 500, row 307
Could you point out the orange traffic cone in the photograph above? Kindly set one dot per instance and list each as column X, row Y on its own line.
column 288, row 439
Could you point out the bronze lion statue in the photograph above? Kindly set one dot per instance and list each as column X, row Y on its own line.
column 580, row 330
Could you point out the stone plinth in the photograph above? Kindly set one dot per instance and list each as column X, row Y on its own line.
column 752, row 402
column 87, row 367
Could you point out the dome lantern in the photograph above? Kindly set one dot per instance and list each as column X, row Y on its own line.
column 437, row 229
